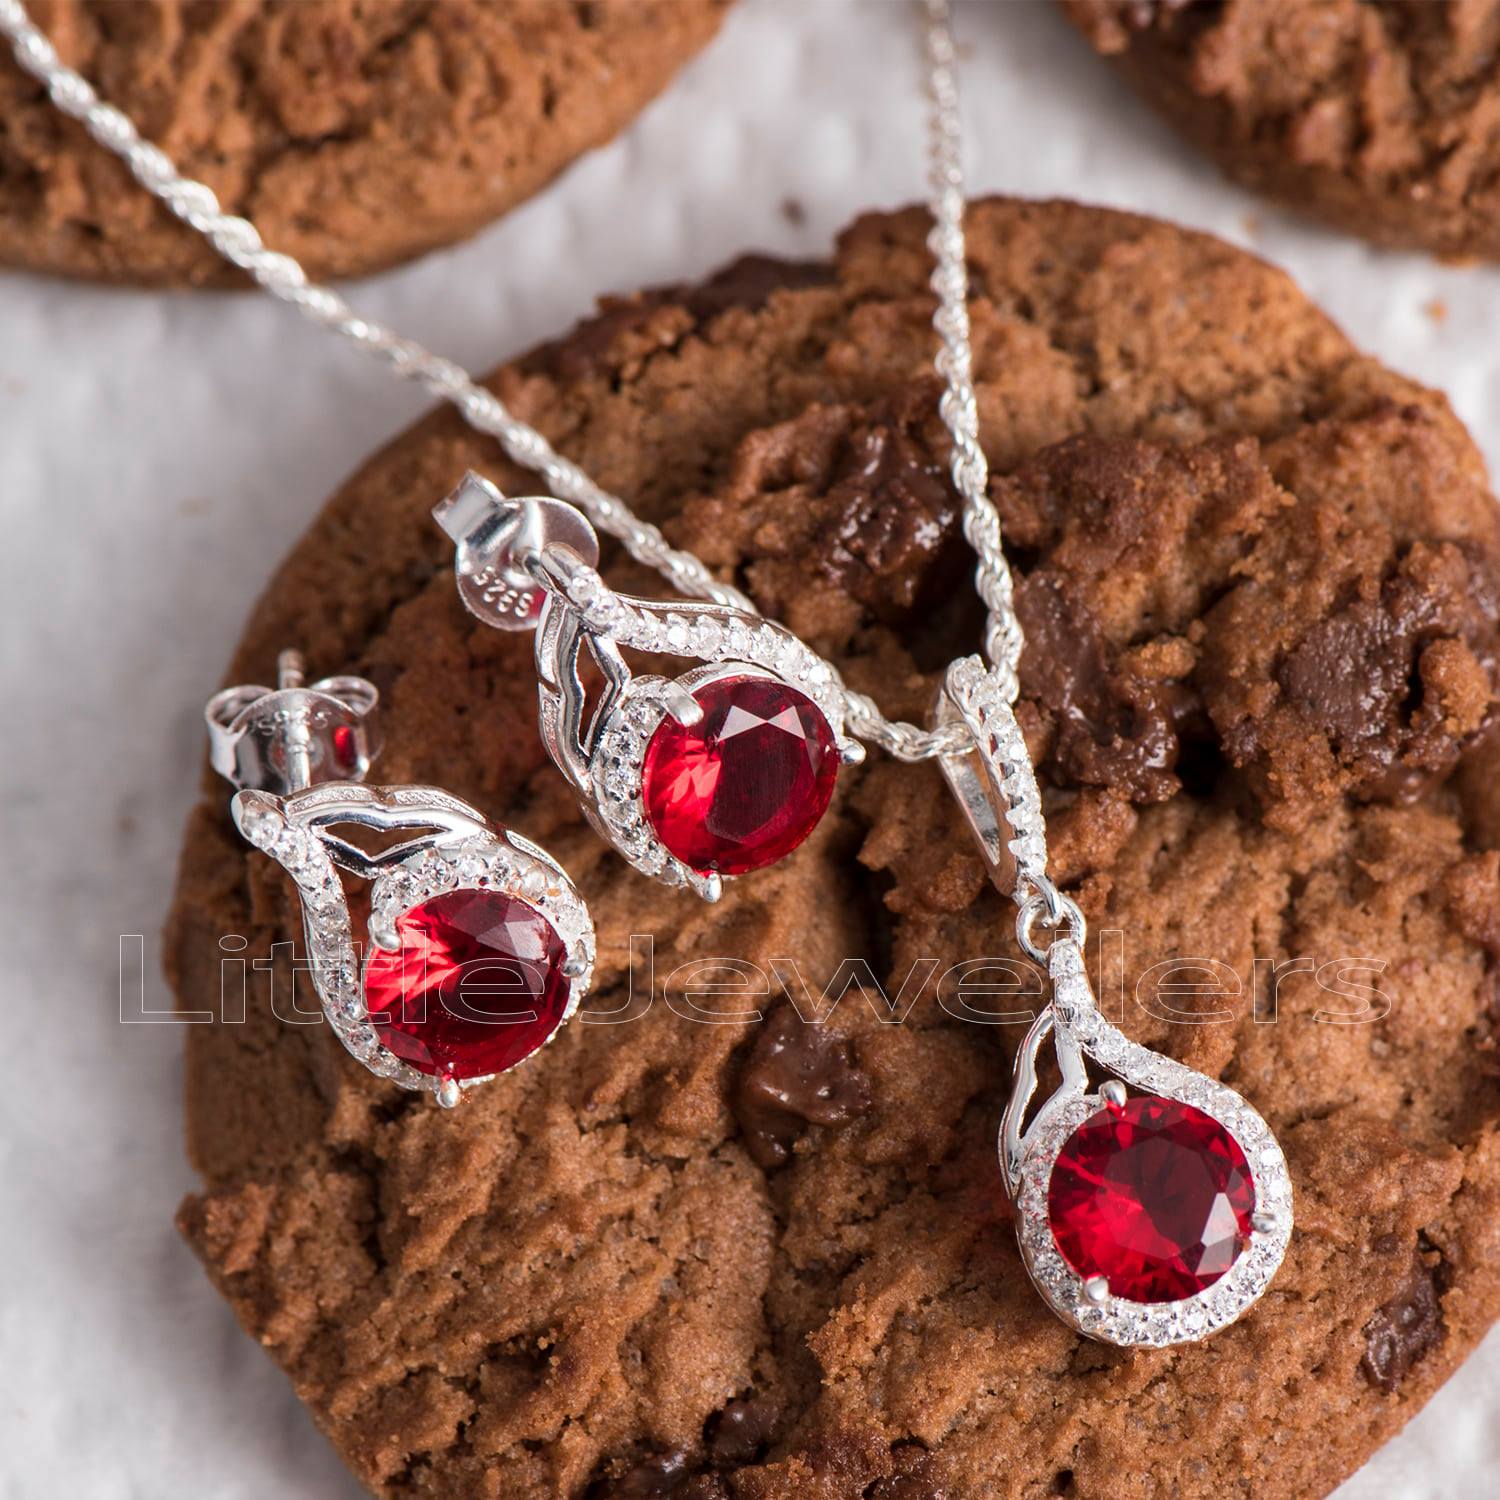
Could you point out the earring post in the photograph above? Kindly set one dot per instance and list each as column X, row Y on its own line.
column 282, row 739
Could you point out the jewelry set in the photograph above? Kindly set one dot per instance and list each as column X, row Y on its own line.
column 1152, row 1207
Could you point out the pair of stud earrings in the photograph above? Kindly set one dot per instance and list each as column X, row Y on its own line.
column 479, row 945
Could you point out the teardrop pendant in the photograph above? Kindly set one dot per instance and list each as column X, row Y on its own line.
column 1154, row 1207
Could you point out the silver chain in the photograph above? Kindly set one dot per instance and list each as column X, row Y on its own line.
column 1039, row 900
column 238, row 241
column 959, row 405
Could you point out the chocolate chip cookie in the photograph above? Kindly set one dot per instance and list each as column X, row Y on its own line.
column 355, row 135
column 1380, row 116
column 704, row 1249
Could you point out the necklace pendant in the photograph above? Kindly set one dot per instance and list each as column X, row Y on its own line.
column 1153, row 1207
column 694, row 779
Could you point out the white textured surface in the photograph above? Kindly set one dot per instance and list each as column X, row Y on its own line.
column 159, row 454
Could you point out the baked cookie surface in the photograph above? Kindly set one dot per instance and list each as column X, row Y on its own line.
column 1380, row 116
column 766, row 1260
column 355, row 134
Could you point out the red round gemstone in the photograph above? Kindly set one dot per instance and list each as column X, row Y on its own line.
column 476, row 986
column 747, row 783
column 1153, row 1195
column 344, row 748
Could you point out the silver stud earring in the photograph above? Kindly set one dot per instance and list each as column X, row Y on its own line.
column 480, row 947
column 693, row 779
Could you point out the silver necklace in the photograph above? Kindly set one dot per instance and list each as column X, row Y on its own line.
column 239, row 242
column 529, row 564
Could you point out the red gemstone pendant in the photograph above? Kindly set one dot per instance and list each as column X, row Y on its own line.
column 475, row 988
column 1154, row 1196
column 747, row 783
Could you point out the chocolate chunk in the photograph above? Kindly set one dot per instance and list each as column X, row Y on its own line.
column 848, row 502
column 701, row 1487
column 1113, row 729
column 1353, row 671
column 1405, row 1328
column 1400, row 785
column 657, row 1477
column 1367, row 678
column 796, row 1074
column 738, row 1435
column 1383, row 673
column 661, row 1474
column 894, row 511
column 916, row 1478
column 741, row 1432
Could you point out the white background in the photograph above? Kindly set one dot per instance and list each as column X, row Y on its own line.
column 159, row 454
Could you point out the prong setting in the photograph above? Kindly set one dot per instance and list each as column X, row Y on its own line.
column 384, row 935
column 681, row 705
